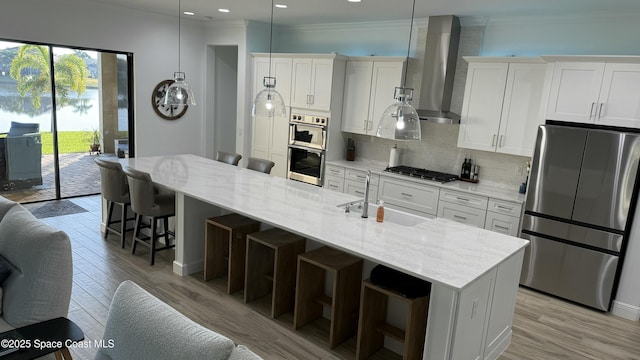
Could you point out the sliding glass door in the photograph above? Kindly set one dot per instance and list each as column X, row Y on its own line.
column 59, row 109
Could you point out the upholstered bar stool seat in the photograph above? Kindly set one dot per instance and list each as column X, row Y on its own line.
column 115, row 189
column 148, row 203
column 229, row 158
column 261, row 165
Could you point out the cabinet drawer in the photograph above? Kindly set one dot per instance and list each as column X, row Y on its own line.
column 462, row 198
column 357, row 188
column 334, row 183
column 360, row 176
column 332, row 170
column 462, row 214
column 505, row 207
column 422, row 198
column 502, row 223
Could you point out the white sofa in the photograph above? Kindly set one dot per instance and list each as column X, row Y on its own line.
column 39, row 256
column 141, row 326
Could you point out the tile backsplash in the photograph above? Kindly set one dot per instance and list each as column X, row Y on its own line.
column 438, row 151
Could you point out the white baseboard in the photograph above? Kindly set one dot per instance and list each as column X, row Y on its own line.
column 187, row 269
column 625, row 311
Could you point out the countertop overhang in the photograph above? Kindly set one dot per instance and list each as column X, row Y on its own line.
column 436, row 250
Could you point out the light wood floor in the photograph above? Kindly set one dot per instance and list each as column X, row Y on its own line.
column 544, row 328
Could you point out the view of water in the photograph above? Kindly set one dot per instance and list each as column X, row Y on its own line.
column 80, row 114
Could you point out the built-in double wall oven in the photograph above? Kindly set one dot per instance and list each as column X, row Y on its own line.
column 307, row 148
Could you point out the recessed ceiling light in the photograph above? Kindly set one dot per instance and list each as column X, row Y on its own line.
column 190, row 13
column 354, row 0
column 223, row 10
column 281, row 6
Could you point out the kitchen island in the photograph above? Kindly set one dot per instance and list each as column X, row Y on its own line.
column 474, row 272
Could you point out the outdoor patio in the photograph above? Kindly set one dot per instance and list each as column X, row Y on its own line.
column 79, row 175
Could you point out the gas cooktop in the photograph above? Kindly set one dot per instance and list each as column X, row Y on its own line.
column 422, row 173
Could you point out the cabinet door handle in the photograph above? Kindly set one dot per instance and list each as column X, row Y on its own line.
column 361, row 177
column 591, row 111
column 407, row 195
column 504, row 207
column 493, row 140
column 501, row 227
column 501, row 141
column 312, row 99
column 462, row 199
column 460, row 217
column 359, row 192
column 364, row 125
column 370, row 125
column 600, row 110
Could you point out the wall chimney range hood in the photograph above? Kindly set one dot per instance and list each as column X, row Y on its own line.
column 441, row 54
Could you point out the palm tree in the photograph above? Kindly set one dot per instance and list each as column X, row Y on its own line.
column 30, row 68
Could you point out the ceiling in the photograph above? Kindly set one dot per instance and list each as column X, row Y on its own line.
column 300, row 12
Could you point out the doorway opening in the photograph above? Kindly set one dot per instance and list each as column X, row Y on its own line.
column 225, row 90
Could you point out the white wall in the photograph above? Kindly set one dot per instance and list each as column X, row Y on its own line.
column 151, row 38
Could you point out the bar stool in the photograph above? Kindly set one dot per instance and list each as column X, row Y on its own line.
column 225, row 248
column 372, row 325
column 271, row 268
column 346, row 271
column 261, row 165
column 114, row 187
column 229, row 158
column 145, row 202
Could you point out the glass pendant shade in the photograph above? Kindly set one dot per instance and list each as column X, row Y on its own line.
column 269, row 102
column 400, row 120
column 179, row 92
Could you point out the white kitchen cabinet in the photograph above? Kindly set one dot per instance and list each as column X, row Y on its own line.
column 502, row 105
column 354, row 184
column 269, row 138
column 462, row 207
column 503, row 217
column 334, row 177
column 596, row 90
column 280, row 69
column 311, row 83
column 368, row 91
column 421, row 199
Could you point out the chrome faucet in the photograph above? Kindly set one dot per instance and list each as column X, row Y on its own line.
column 365, row 205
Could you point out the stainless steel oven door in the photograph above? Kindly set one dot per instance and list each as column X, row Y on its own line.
column 308, row 135
column 306, row 165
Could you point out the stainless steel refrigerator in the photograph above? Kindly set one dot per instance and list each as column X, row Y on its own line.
column 578, row 212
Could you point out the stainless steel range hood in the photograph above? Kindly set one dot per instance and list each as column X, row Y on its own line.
column 441, row 54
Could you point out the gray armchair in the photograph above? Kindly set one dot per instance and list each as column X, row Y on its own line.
column 21, row 155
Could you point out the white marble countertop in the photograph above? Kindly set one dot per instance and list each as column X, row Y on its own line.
column 437, row 250
column 377, row 167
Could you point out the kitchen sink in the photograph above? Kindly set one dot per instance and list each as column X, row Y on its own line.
column 390, row 215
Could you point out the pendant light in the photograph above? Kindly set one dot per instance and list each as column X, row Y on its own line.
column 269, row 102
column 179, row 92
column 400, row 120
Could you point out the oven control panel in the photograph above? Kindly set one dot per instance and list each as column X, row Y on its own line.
column 310, row 119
